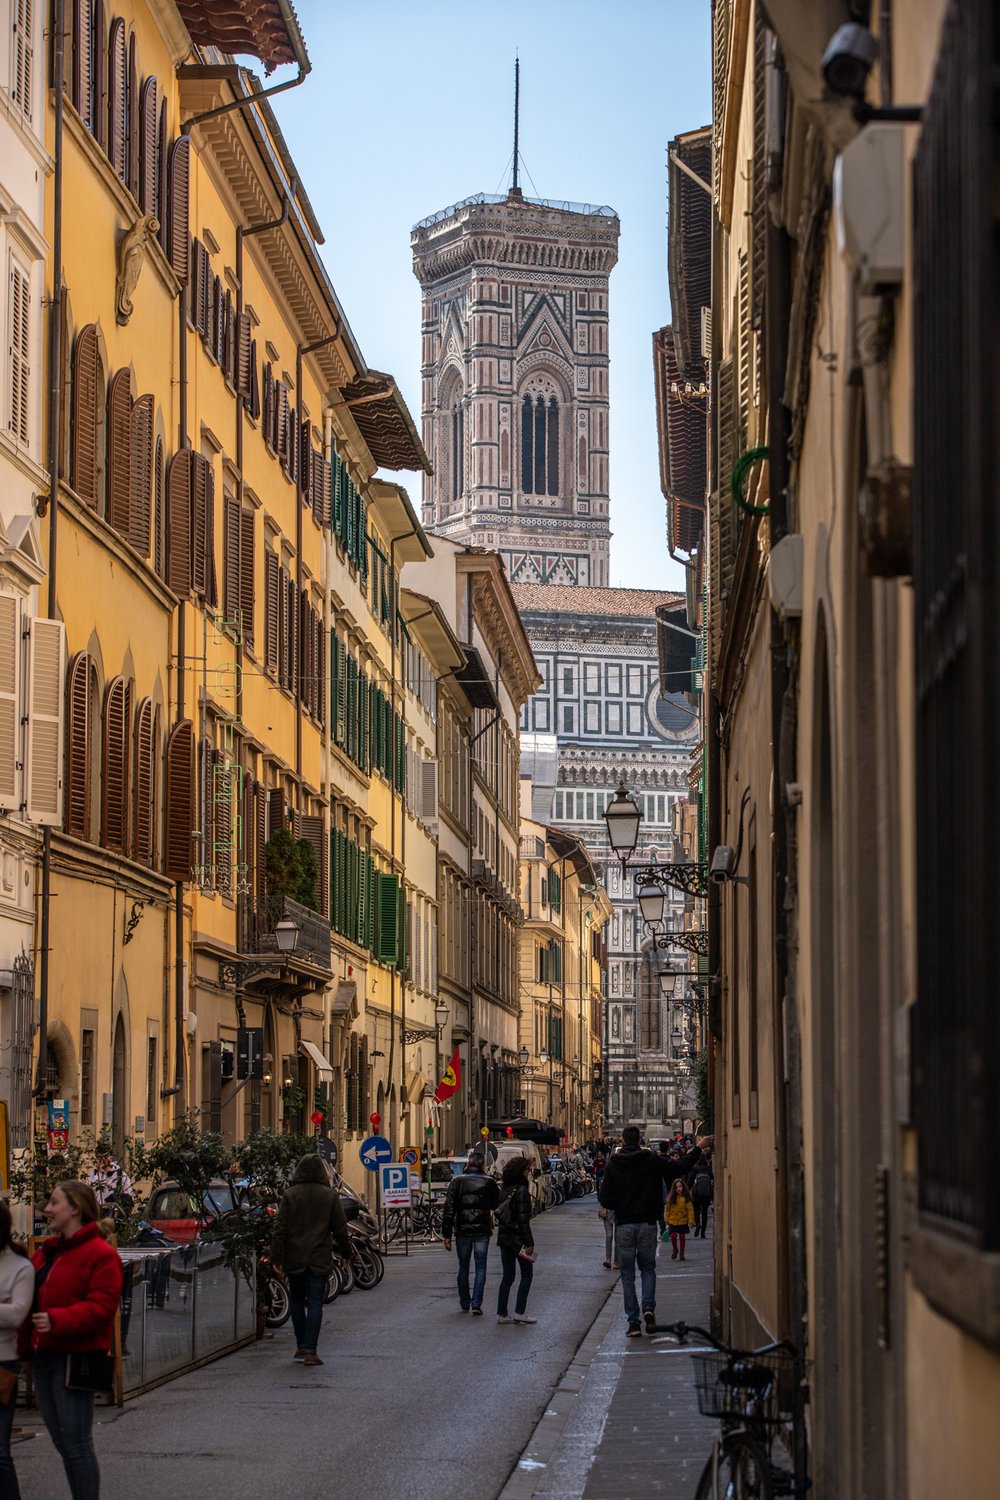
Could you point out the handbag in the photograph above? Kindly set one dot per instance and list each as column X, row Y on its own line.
column 90, row 1370
column 8, row 1386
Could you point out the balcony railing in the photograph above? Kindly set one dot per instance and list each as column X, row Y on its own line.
column 314, row 930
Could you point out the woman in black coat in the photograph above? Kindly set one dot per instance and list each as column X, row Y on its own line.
column 514, row 1239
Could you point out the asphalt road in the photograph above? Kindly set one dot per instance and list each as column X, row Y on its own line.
column 415, row 1398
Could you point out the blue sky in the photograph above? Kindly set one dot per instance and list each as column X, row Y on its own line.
column 409, row 108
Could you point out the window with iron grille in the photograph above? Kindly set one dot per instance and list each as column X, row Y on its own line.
column 87, row 1077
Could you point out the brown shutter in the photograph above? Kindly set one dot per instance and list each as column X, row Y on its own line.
column 218, row 312
column 119, row 449
column 228, row 356
column 231, row 557
column 200, row 276
column 114, row 818
column 85, row 407
column 277, row 813
column 149, row 160
column 78, row 746
column 99, row 63
column 82, row 62
column 281, row 421
column 310, row 828
column 179, row 251
column 260, row 843
column 221, row 794
column 140, row 473
column 244, row 358
column 321, row 669
column 284, row 632
column 179, row 523
column 202, row 527
column 292, row 618
column 206, row 875
column 65, row 383
column 142, row 784
column 271, row 571
column 116, row 98
column 159, row 520
column 132, row 122
column 162, row 181
column 247, row 576
column 179, row 816
column 254, row 401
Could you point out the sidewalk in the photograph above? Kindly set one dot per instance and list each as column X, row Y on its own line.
column 623, row 1422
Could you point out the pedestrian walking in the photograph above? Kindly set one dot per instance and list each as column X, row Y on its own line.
column 468, row 1212
column 680, row 1217
column 17, row 1289
column 310, row 1217
column 112, row 1184
column 702, row 1184
column 606, row 1215
column 633, row 1190
column 515, row 1240
column 78, row 1284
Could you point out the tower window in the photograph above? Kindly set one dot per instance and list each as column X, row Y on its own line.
column 540, row 443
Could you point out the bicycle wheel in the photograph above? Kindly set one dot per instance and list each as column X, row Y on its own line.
column 279, row 1306
column 742, row 1471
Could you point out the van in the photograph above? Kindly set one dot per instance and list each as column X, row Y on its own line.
column 506, row 1151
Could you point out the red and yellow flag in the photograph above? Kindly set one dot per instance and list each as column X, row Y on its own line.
column 452, row 1080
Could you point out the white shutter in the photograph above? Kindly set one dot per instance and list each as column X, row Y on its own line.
column 427, row 951
column 18, row 372
column 44, row 760
column 433, row 985
column 21, row 59
column 429, row 790
column 10, row 665
column 415, row 969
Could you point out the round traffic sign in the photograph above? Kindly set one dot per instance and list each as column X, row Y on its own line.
column 374, row 1151
column 410, row 1156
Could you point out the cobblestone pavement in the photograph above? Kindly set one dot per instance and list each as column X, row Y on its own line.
column 623, row 1424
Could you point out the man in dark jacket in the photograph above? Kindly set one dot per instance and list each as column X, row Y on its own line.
column 310, row 1218
column 468, row 1212
column 633, row 1185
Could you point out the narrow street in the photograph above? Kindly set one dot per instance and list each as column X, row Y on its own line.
column 255, row 1424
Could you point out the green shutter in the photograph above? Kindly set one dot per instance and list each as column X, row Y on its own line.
column 387, row 927
column 556, row 963
column 363, row 760
column 403, row 959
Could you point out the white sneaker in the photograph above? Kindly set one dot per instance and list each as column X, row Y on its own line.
column 504, row 1319
column 523, row 1318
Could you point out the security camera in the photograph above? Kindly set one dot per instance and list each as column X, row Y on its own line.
column 849, row 57
column 723, row 864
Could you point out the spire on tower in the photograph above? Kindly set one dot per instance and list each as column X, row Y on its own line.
column 515, row 190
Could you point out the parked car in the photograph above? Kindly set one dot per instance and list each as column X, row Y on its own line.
column 504, row 1151
column 173, row 1212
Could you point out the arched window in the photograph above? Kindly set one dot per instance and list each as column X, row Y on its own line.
column 457, row 448
column 540, row 439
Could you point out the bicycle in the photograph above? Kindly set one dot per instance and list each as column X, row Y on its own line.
column 753, row 1393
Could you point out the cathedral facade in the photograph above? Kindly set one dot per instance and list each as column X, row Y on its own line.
column 515, row 381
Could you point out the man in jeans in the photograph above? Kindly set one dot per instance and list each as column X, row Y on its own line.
column 633, row 1186
column 310, row 1218
column 468, row 1211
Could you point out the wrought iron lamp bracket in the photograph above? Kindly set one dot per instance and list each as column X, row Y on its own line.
column 238, row 970
column 690, row 877
column 418, row 1034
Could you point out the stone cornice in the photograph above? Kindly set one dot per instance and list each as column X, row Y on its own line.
column 496, row 615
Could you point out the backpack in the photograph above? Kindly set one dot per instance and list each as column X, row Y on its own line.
column 702, row 1186
column 506, row 1212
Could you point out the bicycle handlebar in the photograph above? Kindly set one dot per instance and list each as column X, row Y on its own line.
column 682, row 1329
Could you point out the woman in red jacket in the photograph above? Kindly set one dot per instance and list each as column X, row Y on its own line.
column 78, row 1283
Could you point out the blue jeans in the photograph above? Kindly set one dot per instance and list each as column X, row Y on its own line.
column 8, row 1478
column 637, row 1242
column 510, row 1263
column 306, row 1290
column 465, row 1244
column 69, row 1416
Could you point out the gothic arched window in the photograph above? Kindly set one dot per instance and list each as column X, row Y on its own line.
column 540, row 440
column 457, row 448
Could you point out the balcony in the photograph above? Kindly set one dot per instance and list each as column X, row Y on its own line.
column 313, row 945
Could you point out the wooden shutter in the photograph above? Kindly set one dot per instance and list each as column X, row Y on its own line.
column 387, row 918
column 202, row 527
column 305, row 466
column 82, row 84
column 281, row 421
column 119, row 450
column 10, row 701
column 179, row 243
column 284, row 660
column 159, row 519
column 180, row 801
column 163, row 181
column 218, row 310
column 179, row 485
column 260, row 843
column 292, row 620
column 205, row 801
column 267, row 416
column 277, row 811
column 321, row 669
column 19, row 377
column 23, row 57
column 231, row 557
column 140, row 473
column 44, row 752
column 99, row 62
column 114, row 819
column 305, row 652
column 221, row 791
column 85, row 413
column 310, row 828
column 142, row 784
column 200, row 308
column 132, row 122
column 116, row 143
column 228, row 339
column 271, row 574
column 247, row 578
column 78, row 747
column 244, row 360
column 149, row 165
column 253, row 407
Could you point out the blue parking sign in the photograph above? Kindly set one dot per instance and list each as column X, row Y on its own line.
column 394, row 1180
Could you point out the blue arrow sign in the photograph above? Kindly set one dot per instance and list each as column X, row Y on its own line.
column 374, row 1151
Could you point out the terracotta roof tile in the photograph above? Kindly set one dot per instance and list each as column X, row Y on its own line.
column 581, row 600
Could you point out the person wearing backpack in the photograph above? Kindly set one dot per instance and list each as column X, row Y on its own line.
column 514, row 1239
column 701, row 1196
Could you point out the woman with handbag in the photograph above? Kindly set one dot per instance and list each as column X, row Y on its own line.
column 17, row 1287
column 514, row 1239
column 78, row 1284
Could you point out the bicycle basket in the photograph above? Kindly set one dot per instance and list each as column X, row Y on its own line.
column 760, row 1386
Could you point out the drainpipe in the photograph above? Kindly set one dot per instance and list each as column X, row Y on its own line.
column 55, row 436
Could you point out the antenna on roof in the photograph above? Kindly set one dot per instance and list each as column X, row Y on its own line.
column 515, row 188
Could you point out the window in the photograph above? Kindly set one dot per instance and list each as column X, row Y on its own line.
column 152, row 1091
column 87, row 1077
column 457, row 465
column 22, row 53
column 540, row 440
column 18, row 342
